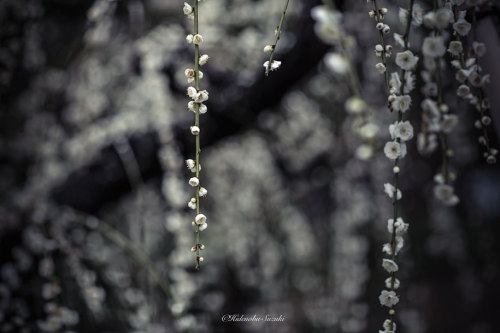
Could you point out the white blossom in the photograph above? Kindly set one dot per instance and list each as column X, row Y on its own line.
column 433, row 47
column 194, row 181
column 188, row 10
column 388, row 298
column 191, row 91
column 392, row 150
column 203, row 192
column 390, row 265
column 455, row 48
column 399, row 39
column 401, row 103
column 462, row 27
column 198, row 39
column 200, row 219
column 195, row 130
column 401, row 226
column 389, row 190
column 445, row 193
column 202, row 227
column 355, row 105
column 200, row 96
column 380, row 68
column 189, row 38
column 203, row 108
column 203, row 59
column 388, row 283
column 268, row 48
column 403, row 130
column 336, row 63
column 275, row 64
column 449, row 122
column 479, row 48
column 406, row 60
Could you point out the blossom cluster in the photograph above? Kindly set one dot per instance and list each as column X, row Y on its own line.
column 198, row 96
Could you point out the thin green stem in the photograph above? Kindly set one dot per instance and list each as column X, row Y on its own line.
column 277, row 33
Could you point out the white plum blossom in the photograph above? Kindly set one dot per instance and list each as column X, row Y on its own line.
column 195, row 130
column 445, row 193
column 198, row 39
column 401, row 226
column 380, row 68
column 200, row 96
column 203, row 192
column 449, row 122
column 336, row 63
column 191, row 91
column 455, row 48
column 327, row 25
column 275, row 64
column 188, row 10
column 392, row 150
column 399, row 39
column 388, row 283
column 389, row 189
column 268, row 48
column 406, row 60
column 202, row 227
column 417, row 15
column 194, row 181
column 479, row 48
column 401, row 103
column 203, row 59
column 462, row 27
column 403, row 130
column 200, row 219
column 388, row 298
column 390, row 265
column 191, row 165
column 433, row 47
column 355, row 105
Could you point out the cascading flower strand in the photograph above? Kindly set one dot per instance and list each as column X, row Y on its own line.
column 468, row 72
column 401, row 131
column 478, row 80
column 196, row 105
column 438, row 121
column 271, row 64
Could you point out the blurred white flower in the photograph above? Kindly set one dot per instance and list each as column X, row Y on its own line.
column 336, row 63
column 433, row 47
column 455, row 48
